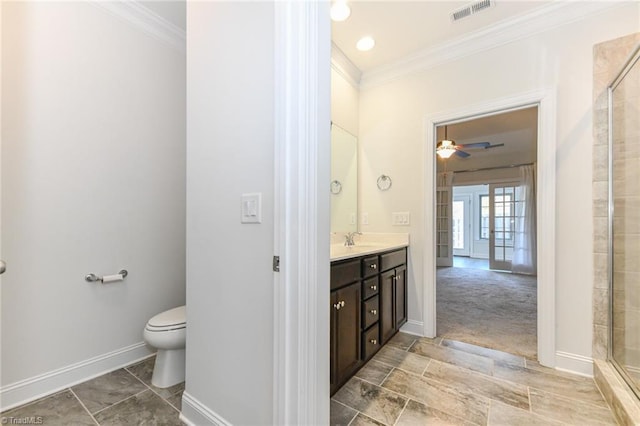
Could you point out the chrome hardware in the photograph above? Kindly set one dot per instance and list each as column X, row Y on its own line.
column 373, row 266
column 342, row 304
column 336, row 306
column 3, row 266
column 374, row 341
column 374, row 287
column 349, row 238
column 373, row 312
column 91, row 278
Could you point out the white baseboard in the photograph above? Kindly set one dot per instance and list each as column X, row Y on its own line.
column 194, row 413
column 413, row 327
column 576, row 364
column 18, row 393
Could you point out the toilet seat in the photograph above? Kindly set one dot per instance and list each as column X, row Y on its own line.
column 173, row 319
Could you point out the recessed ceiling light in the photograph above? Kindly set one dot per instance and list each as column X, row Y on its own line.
column 365, row 43
column 340, row 11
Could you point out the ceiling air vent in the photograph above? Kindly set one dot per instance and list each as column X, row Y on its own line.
column 470, row 9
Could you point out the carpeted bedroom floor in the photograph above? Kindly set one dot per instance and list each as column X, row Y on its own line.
column 496, row 310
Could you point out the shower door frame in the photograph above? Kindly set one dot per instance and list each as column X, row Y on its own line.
column 634, row 59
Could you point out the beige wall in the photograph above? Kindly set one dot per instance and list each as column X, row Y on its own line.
column 392, row 137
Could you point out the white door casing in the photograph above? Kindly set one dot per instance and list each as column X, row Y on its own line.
column 545, row 99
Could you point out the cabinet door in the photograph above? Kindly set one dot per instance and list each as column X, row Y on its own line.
column 387, row 323
column 400, row 296
column 333, row 315
column 347, row 331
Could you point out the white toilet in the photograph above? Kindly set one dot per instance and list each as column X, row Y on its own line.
column 167, row 332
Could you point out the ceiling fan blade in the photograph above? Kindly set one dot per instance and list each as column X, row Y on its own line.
column 494, row 146
column 476, row 145
column 462, row 154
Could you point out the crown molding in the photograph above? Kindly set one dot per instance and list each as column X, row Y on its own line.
column 144, row 19
column 552, row 15
column 343, row 66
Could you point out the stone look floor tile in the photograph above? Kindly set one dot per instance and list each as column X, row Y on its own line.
column 340, row 414
column 144, row 371
column 374, row 401
column 453, row 356
column 439, row 396
column 487, row 386
column 503, row 414
column 374, row 372
column 145, row 408
column 408, row 361
column 362, row 420
column 106, row 390
column 546, row 379
column 416, row 413
column 569, row 410
column 176, row 400
column 402, row 340
column 62, row 408
column 485, row 352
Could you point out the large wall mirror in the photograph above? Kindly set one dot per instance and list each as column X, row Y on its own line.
column 344, row 180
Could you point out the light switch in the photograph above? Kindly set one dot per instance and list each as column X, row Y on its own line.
column 251, row 208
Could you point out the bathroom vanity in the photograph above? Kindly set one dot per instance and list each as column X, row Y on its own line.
column 368, row 304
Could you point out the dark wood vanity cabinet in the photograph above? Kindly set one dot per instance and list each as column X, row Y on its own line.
column 368, row 306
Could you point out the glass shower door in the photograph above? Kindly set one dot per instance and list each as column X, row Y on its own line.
column 624, row 222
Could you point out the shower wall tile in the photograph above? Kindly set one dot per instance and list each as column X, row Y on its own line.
column 600, row 304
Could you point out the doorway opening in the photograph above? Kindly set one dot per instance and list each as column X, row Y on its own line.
column 486, row 232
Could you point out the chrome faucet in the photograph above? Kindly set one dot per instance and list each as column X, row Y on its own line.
column 349, row 238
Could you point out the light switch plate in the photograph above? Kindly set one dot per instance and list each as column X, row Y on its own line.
column 251, row 208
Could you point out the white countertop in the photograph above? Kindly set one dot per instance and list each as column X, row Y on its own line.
column 368, row 243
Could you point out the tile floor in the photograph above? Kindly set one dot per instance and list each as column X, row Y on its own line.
column 122, row 397
column 410, row 381
column 417, row 381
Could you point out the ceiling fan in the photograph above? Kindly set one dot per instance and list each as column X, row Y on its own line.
column 446, row 148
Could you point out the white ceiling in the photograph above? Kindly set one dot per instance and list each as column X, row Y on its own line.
column 407, row 28
column 403, row 28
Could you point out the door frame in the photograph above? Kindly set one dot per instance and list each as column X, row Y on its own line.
column 545, row 100
column 302, row 52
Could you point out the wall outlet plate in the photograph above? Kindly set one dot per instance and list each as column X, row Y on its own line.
column 400, row 218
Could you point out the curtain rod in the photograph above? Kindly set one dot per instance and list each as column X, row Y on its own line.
column 492, row 168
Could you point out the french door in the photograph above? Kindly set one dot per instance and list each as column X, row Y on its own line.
column 502, row 220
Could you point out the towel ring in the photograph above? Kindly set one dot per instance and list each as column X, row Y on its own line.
column 336, row 187
column 384, row 182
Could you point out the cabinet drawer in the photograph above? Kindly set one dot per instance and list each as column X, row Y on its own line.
column 370, row 310
column 370, row 266
column 344, row 273
column 370, row 342
column 370, row 287
column 393, row 259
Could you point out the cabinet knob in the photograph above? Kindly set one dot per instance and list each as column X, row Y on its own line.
column 374, row 312
column 374, row 341
column 373, row 266
column 342, row 304
column 337, row 306
column 374, row 287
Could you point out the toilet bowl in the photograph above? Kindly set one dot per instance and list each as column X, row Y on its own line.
column 167, row 332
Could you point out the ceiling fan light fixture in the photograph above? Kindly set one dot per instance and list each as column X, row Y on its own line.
column 446, row 148
column 340, row 11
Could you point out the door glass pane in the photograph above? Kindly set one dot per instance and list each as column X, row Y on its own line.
column 458, row 225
